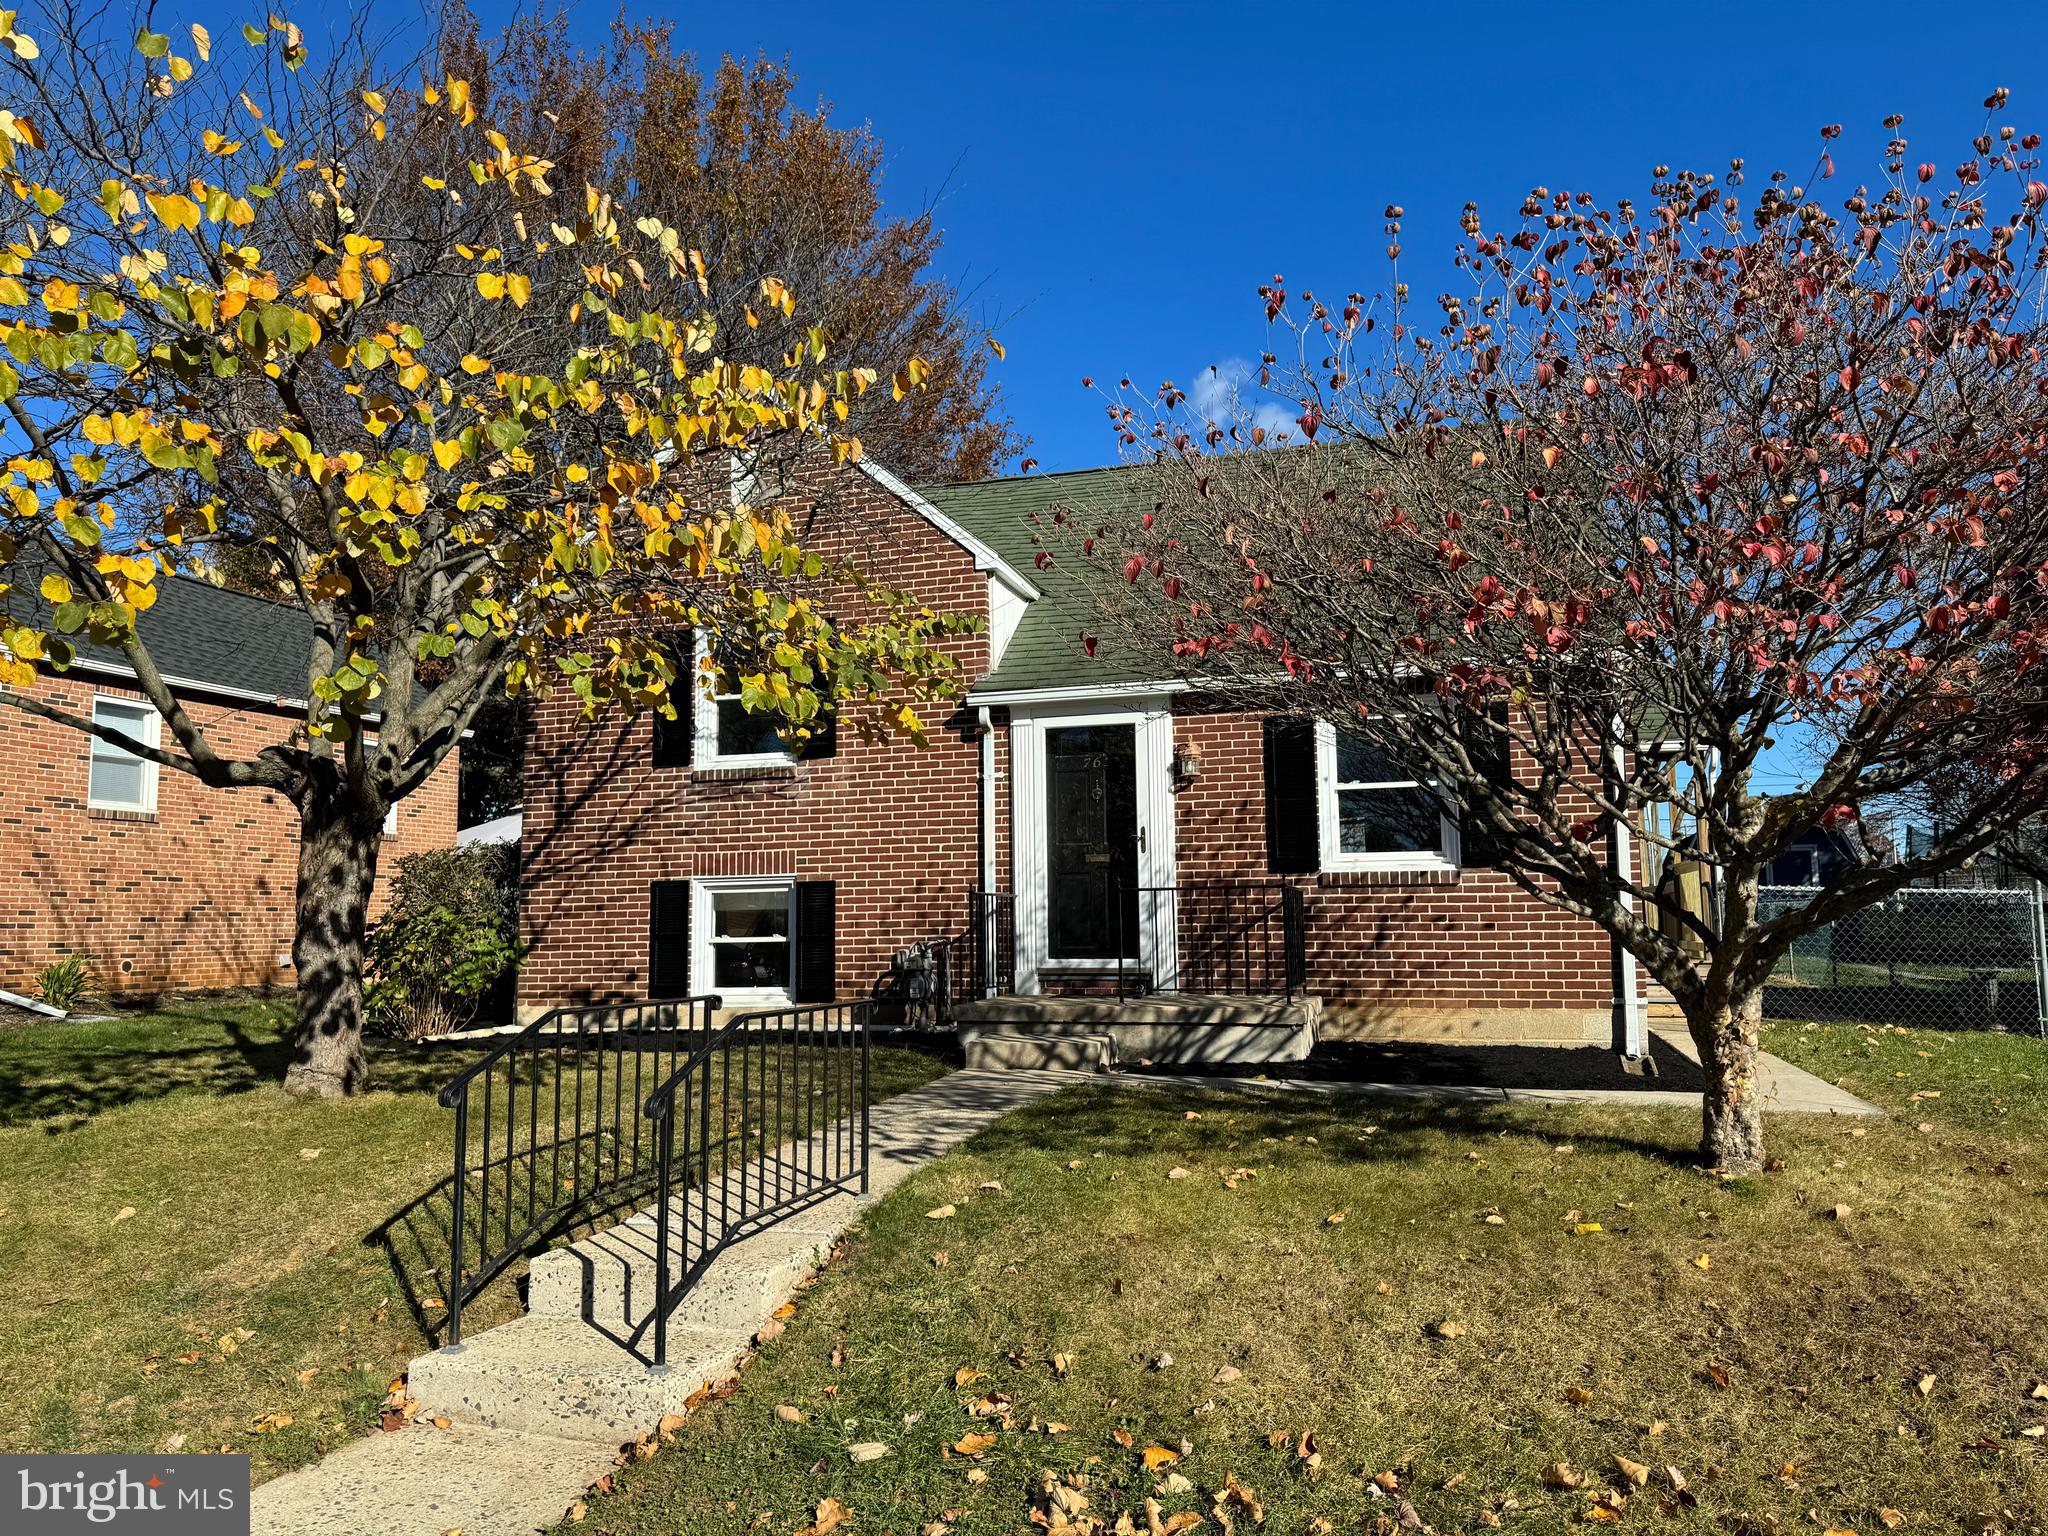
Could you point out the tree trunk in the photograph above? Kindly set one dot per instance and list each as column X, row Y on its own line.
column 1732, row 1128
column 338, row 844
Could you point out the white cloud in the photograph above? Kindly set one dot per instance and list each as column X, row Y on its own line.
column 1228, row 394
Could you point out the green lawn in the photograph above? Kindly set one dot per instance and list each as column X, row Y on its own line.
column 185, row 1250
column 1343, row 1305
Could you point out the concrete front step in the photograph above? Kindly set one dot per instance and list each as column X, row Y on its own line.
column 995, row 1048
column 609, row 1278
column 562, row 1378
column 422, row 1481
column 1178, row 1028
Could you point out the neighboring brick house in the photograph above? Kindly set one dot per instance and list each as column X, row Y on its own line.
column 662, row 861
column 158, row 881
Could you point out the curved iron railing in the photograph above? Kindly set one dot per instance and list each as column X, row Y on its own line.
column 771, row 1116
column 557, row 1135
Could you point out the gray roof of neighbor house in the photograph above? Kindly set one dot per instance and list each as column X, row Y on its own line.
column 211, row 637
column 1015, row 517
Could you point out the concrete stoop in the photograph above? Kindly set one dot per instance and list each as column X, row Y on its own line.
column 1167, row 1028
column 540, row 1406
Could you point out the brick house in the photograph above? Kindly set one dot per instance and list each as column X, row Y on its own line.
column 664, row 860
column 158, row 881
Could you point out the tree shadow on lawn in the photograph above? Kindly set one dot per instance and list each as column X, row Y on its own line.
column 1109, row 1117
column 1420, row 1063
column 63, row 1073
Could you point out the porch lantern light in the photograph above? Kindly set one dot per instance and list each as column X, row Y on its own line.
column 1187, row 764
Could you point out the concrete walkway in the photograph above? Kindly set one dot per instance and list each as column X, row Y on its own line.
column 539, row 1407
column 1787, row 1089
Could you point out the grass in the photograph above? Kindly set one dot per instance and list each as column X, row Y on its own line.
column 1802, row 1372
column 252, row 1278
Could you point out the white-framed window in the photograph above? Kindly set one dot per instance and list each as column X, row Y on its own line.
column 391, row 819
column 1375, row 813
column 729, row 735
column 117, row 779
column 744, row 937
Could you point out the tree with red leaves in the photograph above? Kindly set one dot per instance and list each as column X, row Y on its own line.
column 1668, row 487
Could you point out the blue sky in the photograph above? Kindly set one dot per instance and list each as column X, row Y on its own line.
column 1115, row 180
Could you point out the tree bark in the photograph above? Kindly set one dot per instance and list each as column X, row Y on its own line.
column 338, row 845
column 1732, row 1123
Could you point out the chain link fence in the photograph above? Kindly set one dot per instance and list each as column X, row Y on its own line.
column 1944, row 958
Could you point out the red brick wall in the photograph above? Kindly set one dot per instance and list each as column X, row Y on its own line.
column 1460, row 955
column 198, row 895
column 894, row 825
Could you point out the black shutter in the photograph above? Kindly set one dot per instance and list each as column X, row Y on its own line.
column 675, row 740
column 824, row 741
column 668, row 939
column 1294, row 841
column 1486, row 743
column 817, row 941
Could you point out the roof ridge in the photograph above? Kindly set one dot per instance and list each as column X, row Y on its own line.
column 942, row 486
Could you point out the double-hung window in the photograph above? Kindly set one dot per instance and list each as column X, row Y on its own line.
column 1376, row 814
column 729, row 735
column 745, row 933
column 118, row 779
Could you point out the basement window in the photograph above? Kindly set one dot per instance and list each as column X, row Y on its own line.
column 117, row 779
column 744, row 931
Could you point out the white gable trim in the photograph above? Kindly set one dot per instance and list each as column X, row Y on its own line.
column 985, row 558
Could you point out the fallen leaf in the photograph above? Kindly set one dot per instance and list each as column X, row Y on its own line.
column 1157, row 1456
column 1704, row 1261
column 786, row 1311
column 1334, row 1219
column 867, row 1450
column 578, row 1510
column 1837, row 1213
column 967, row 1375
column 1925, row 1386
column 1634, row 1471
column 1161, row 1361
column 939, row 1213
column 1448, row 1330
column 772, row 1329
column 831, row 1514
column 1578, row 1394
column 124, row 1213
column 308, row 1374
column 1226, row 1374
column 1559, row 1474
column 974, row 1445
column 1177, row 1173
column 789, row 1413
column 990, row 1186
column 1891, row 1517
column 1588, row 1228
column 309, row 1153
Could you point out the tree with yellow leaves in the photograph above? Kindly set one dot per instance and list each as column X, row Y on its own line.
column 333, row 326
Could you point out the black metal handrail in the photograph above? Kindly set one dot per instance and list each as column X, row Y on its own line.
column 1233, row 938
column 587, row 1119
column 989, row 944
column 788, row 1089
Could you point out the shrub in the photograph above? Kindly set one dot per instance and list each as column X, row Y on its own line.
column 449, row 938
column 62, row 983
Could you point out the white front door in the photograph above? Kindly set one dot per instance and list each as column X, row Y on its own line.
column 1092, row 823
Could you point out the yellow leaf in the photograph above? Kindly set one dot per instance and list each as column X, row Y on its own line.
column 56, row 589
column 474, row 364
column 447, row 455
column 491, row 284
column 520, row 287
column 174, row 210
column 1704, row 1261
column 974, row 1445
column 1157, row 1456
column 939, row 1213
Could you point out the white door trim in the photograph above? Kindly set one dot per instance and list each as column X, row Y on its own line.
column 1157, row 852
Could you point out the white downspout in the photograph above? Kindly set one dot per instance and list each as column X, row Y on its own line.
column 1621, row 853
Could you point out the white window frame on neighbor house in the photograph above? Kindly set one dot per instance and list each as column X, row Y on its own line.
column 704, row 893
column 1328, row 790
column 145, row 731
column 705, row 720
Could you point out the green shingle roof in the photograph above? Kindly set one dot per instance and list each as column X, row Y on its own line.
column 1015, row 518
